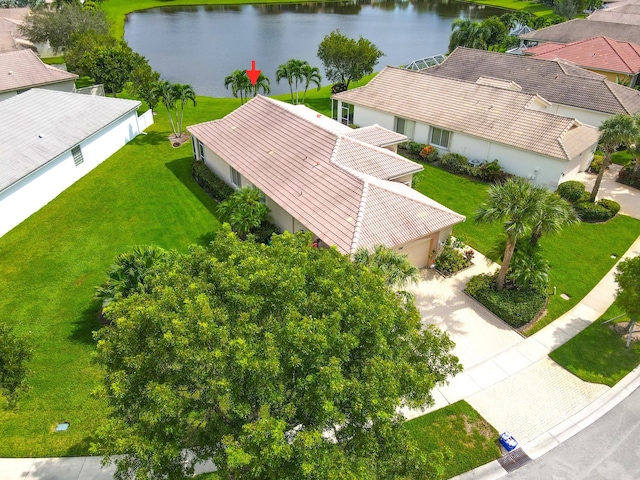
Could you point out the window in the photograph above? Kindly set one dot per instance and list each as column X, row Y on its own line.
column 346, row 114
column 440, row 138
column 334, row 109
column 236, row 178
column 77, row 155
column 405, row 127
column 201, row 150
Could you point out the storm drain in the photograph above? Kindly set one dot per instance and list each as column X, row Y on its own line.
column 514, row 460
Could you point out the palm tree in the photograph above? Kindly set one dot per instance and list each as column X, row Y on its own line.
column 183, row 93
column 516, row 203
column 310, row 75
column 618, row 130
column 292, row 71
column 395, row 267
column 467, row 33
column 166, row 93
column 239, row 83
column 554, row 214
column 263, row 83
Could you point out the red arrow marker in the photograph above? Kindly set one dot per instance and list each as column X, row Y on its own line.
column 253, row 74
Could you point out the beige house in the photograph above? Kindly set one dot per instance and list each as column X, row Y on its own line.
column 346, row 186
column 581, row 29
column 573, row 91
column 619, row 12
column 484, row 120
column 23, row 69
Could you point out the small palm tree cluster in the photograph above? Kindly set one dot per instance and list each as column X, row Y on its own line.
column 245, row 211
column 241, row 86
column 174, row 96
column 295, row 71
column 524, row 209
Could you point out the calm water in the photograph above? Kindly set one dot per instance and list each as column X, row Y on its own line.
column 201, row 45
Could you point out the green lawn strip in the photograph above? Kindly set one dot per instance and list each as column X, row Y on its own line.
column 537, row 9
column 117, row 10
column 50, row 264
column 598, row 354
column 459, row 429
column 579, row 257
column 53, row 60
column 622, row 157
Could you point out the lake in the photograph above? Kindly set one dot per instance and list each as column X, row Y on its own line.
column 201, row 45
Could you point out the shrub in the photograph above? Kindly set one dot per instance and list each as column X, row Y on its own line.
column 414, row 148
column 263, row 233
column 613, row 207
column 596, row 164
column 213, row 185
column 429, row 153
column 593, row 212
column 491, row 172
column 456, row 163
column 517, row 307
column 453, row 257
column 338, row 87
column 628, row 176
column 572, row 191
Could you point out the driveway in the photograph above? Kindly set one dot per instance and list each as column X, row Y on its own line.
column 626, row 196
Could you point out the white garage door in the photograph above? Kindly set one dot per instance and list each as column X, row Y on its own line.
column 418, row 251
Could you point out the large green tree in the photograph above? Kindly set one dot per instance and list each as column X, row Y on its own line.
column 346, row 59
column 111, row 65
column 628, row 293
column 15, row 353
column 58, row 26
column 621, row 129
column 515, row 203
column 275, row 362
column 467, row 33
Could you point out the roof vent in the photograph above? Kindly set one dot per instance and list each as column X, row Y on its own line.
column 10, row 72
column 41, row 135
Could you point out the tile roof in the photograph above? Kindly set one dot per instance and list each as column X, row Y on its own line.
column 557, row 80
column 495, row 114
column 46, row 123
column 619, row 12
column 376, row 135
column 601, row 53
column 14, row 13
column 299, row 165
column 7, row 42
column 24, row 69
column 580, row 29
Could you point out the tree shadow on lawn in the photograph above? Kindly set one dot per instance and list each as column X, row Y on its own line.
column 206, row 238
column 153, row 138
column 86, row 324
column 181, row 168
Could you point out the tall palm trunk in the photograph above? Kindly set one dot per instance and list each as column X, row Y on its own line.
column 291, row 90
column 173, row 127
column 596, row 186
column 181, row 118
column 508, row 253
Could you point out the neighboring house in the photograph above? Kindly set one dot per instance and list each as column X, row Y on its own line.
column 581, row 29
column 23, row 69
column 52, row 140
column 619, row 12
column 12, row 38
column 487, row 120
column 618, row 61
column 572, row 91
column 320, row 176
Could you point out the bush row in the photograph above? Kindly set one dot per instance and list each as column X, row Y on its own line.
column 600, row 211
column 490, row 172
column 517, row 307
column 213, row 185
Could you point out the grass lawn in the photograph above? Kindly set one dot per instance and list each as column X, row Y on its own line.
column 50, row 264
column 598, row 354
column 459, row 429
column 622, row 157
column 537, row 9
column 579, row 256
column 53, row 60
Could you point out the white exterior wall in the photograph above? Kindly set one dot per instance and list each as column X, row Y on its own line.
column 66, row 86
column 33, row 192
column 588, row 117
column 538, row 168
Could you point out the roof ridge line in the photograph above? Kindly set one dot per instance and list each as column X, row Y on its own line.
column 358, row 227
column 384, row 151
column 615, row 95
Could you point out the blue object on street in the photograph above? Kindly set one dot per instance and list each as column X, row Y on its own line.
column 507, row 441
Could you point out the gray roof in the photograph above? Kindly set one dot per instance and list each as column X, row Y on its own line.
column 556, row 80
column 495, row 114
column 44, row 124
column 580, row 29
column 24, row 69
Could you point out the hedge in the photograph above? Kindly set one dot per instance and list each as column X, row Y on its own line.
column 517, row 307
column 572, row 191
column 601, row 211
column 213, row 185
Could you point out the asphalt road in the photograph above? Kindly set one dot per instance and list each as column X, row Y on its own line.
column 608, row 449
